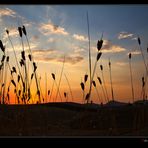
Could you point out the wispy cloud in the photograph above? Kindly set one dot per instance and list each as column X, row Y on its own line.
column 49, row 56
column 108, row 47
column 43, row 51
column 134, row 38
column 113, row 49
column 77, row 49
column 18, row 47
column 80, row 37
column 125, row 35
column 50, row 28
column 7, row 12
column 134, row 53
column 35, row 37
column 71, row 59
column 50, row 40
column 13, row 32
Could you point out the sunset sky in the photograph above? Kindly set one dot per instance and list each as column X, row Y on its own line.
column 57, row 30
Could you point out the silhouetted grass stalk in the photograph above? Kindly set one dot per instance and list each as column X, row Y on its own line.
column 69, row 87
column 112, row 92
column 89, row 58
column 146, row 68
column 99, row 79
column 53, row 76
column 101, row 67
column 131, row 76
column 94, row 83
column 45, row 87
column 83, row 89
column 37, row 86
column 60, row 79
column 14, row 55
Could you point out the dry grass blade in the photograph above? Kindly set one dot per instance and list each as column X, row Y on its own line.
column 19, row 92
column 32, row 76
column 87, row 96
column 65, row 94
column 21, row 63
column 99, row 44
column 101, row 67
column 8, row 97
column 30, row 57
column 85, row 78
column 130, row 55
column 8, row 89
column 99, row 55
column 13, row 83
column 24, row 87
column 11, row 72
column 143, row 82
column 15, row 90
column 3, row 85
column 38, row 92
column 29, row 94
column 23, row 55
column 99, row 80
column 24, row 30
column 20, row 31
column 48, row 92
column 1, row 66
column 7, row 31
column 3, row 58
column 18, row 78
column 7, row 59
column 53, row 76
column 94, row 83
column 139, row 41
column 82, row 86
column 14, row 69
column 2, row 46
column 34, row 66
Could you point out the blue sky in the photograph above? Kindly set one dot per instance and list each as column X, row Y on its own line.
column 120, row 25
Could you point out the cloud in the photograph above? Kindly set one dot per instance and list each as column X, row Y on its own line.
column 48, row 56
column 18, row 47
column 108, row 47
column 134, row 53
column 35, row 37
column 49, row 28
column 43, row 51
column 50, row 40
column 80, row 37
column 13, row 32
column 134, row 38
column 7, row 12
column 113, row 49
column 125, row 35
column 121, row 63
column 44, row 59
column 71, row 59
column 78, row 49
column 44, row 55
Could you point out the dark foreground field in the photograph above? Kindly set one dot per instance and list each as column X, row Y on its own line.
column 72, row 119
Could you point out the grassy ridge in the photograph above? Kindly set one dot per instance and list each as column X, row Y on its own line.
column 73, row 119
